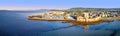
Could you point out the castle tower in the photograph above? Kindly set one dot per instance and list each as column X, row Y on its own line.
column 86, row 15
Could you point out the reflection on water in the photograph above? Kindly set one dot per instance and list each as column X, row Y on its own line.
column 77, row 23
column 87, row 25
column 17, row 24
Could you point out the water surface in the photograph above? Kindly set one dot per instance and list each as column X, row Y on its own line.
column 17, row 24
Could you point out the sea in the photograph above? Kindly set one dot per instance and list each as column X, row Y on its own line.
column 18, row 24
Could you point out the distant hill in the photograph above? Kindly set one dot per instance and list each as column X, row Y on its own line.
column 96, row 9
column 77, row 9
column 81, row 9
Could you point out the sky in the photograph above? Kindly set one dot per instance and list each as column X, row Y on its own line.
column 57, row 4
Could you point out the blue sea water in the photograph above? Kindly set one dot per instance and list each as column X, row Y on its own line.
column 17, row 24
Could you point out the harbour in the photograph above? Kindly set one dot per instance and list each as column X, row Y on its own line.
column 59, row 18
column 81, row 17
column 84, row 18
column 14, row 22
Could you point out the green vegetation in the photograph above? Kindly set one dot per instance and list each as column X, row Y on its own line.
column 79, row 9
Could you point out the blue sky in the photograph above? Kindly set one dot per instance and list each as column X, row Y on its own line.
column 58, row 3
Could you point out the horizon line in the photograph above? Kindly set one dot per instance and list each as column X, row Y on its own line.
column 34, row 8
